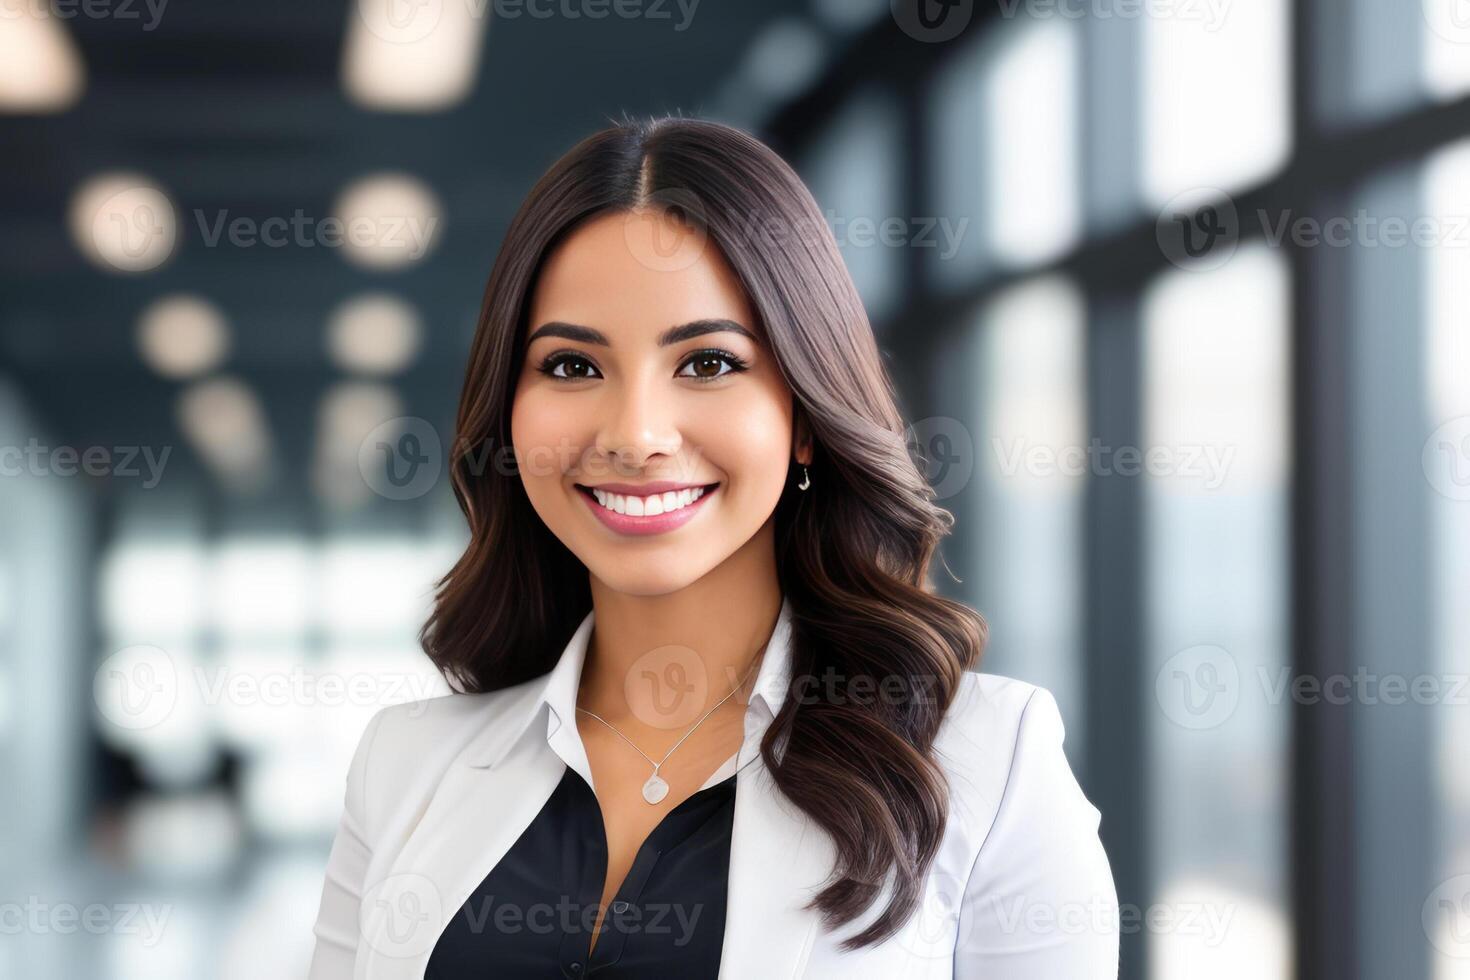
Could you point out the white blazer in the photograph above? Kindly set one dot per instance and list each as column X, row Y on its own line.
column 439, row 790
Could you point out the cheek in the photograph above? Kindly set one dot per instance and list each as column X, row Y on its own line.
column 547, row 433
column 753, row 446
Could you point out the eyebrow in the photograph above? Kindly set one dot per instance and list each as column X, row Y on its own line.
column 673, row 335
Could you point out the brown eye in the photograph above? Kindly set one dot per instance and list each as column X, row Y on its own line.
column 569, row 367
column 577, row 368
column 708, row 365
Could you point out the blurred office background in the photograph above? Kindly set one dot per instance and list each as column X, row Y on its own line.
column 1174, row 290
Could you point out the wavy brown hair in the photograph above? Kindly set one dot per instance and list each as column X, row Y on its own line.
column 852, row 554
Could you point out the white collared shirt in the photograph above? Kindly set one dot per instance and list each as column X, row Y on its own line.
column 559, row 698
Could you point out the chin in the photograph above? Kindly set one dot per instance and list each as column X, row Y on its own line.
column 648, row 576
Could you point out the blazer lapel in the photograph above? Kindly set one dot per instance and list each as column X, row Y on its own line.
column 476, row 815
column 488, row 797
column 778, row 861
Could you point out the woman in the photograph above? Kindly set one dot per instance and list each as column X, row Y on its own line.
column 711, row 720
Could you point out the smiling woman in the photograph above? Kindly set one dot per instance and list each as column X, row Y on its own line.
column 702, row 676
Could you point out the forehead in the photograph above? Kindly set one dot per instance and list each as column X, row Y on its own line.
column 633, row 275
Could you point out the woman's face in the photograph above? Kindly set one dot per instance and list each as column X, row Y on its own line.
column 652, row 427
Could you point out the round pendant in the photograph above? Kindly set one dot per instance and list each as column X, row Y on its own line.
column 655, row 789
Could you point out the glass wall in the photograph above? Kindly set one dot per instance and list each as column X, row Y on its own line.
column 1217, row 254
column 1215, row 422
column 1030, row 434
column 1446, row 462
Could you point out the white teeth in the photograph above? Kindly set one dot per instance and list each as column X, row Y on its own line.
column 659, row 503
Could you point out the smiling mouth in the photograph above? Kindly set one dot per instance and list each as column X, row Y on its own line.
column 652, row 505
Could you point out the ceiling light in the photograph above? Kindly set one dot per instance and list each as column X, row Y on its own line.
column 784, row 59
column 183, row 336
column 349, row 413
column 373, row 334
column 224, row 421
column 123, row 222
column 389, row 220
column 415, row 57
column 40, row 69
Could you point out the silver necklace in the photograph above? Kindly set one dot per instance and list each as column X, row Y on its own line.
column 656, row 788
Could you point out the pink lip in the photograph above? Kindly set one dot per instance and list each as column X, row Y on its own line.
column 658, row 523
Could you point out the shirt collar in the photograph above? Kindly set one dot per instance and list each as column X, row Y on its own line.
column 557, row 690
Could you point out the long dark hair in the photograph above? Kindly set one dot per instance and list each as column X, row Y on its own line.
column 853, row 552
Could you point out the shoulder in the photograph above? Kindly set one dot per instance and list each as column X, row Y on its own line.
column 986, row 726
column 412, row 743
column 452, row 722
column 991, row 703
column 1001, row 746
column 1036, row 875
column 445, row 716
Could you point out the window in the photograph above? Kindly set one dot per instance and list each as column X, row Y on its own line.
column 1215, row 465
column 1446, row 461
column 853, row 171
column 1032, row 469
column 1215, row 96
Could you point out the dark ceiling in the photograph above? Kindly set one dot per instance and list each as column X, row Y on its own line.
column 239, row 108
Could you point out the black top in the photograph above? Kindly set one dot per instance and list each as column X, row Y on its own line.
column 533, row 914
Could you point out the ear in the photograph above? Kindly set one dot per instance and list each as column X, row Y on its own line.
column 802, row 439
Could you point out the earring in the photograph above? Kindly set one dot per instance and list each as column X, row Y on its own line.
column 806, row 479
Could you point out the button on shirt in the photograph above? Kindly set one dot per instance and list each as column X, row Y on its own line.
column 533, row 914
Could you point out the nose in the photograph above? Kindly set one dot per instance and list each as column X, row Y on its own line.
column 639, row 423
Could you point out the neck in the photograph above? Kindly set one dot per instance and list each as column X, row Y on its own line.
column 663, row 660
